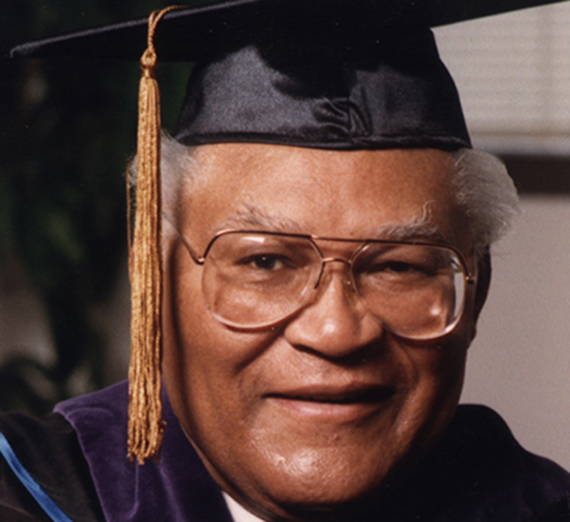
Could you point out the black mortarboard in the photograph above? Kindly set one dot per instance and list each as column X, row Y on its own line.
column 324, row 73
column 340, row 74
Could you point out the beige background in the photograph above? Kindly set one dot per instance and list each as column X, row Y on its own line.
column 519, row 363
column 513, row 74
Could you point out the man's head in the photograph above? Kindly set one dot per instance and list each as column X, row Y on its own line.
column 325, row 407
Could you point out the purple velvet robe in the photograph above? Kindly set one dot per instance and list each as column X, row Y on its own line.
column 478, row 472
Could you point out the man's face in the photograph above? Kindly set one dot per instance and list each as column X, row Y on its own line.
column 325, row 407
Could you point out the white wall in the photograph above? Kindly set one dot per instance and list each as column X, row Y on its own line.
column 513, row 74
column 520, row 361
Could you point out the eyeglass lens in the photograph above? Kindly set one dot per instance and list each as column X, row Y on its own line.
column 255, row 279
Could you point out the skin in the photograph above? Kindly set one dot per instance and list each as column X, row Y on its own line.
column 263, row 407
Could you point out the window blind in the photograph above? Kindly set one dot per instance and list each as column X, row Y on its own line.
column 513, row 74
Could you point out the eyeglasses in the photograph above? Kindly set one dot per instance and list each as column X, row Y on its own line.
column 254, row 279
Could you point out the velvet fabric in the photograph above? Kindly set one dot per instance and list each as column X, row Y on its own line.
column 177, row 489
column 478, row 473
column 49, row 451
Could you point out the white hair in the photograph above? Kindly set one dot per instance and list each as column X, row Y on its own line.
column 177, row 165
column 484, row 192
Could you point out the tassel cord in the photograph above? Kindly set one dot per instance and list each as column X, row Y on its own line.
column 146, row 427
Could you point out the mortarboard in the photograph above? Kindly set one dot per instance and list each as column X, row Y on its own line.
column 338, row 74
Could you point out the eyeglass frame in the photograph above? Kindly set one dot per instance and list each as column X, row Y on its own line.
column 312, row 238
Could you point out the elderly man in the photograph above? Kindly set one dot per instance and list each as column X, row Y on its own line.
column 325, row 251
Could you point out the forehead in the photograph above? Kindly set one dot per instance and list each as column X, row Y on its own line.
column 322, row 192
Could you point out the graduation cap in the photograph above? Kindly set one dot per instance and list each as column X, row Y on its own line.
column 336, row 74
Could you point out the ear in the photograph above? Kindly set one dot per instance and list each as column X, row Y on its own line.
column 482, row 288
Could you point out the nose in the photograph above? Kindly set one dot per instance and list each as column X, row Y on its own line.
column 335, row 324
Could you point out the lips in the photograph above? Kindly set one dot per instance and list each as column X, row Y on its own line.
column 338, row 396
column 337, row 404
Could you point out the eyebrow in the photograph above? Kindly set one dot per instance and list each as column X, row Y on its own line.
column 253, row 216
column 414, row 229
column 420, row 227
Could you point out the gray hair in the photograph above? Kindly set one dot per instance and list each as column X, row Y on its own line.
column 484, row 192
column 177, row 165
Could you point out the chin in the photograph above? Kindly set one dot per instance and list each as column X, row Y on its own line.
column 334, row 483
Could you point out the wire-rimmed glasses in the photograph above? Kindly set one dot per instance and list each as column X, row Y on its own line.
column 255, row 279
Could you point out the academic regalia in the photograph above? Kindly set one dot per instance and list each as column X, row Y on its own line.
column 477, row 473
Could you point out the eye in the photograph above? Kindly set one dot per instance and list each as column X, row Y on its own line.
column 391, row 267
column 266, row 262
column 398, row 267
column 408, row 262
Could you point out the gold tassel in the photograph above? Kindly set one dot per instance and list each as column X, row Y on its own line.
column 146, row 426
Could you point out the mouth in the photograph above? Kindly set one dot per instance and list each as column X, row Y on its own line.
column 366, row 395
column 333, row 403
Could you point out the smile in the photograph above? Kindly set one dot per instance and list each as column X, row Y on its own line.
column 366, row 396
column 333, row 404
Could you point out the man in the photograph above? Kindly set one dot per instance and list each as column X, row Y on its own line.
column 325, row 251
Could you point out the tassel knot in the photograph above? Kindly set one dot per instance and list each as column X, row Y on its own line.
column 148, row 62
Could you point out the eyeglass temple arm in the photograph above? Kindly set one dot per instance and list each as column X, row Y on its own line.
column 195, row 258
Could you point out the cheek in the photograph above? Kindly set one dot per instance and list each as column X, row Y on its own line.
column 442, row 364
column 433, row 375
column 440, row 376
column 439, row 373
column 207, row 366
